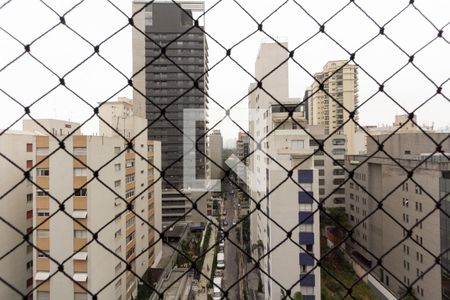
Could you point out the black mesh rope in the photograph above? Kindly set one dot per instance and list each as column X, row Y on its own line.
column 259, row 27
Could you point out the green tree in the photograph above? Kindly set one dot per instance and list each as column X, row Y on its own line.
column 298, row 296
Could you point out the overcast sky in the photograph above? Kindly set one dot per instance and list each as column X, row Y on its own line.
column 61, row 50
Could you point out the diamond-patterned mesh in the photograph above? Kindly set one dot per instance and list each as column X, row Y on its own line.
column 404, row 53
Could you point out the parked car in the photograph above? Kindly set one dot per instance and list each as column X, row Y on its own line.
column 217, row 293
column 220, row 260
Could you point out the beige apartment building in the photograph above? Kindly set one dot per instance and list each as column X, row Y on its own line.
column 340, row 81
column 17, row 153
column 92, row 227
column 408, row 205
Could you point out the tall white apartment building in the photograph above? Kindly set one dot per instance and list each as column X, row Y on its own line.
column 340, row 85
column 285, row 205
column 89, row 215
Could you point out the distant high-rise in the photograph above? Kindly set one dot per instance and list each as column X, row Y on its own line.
column 242, row 151
column 340, row 84
column 169, row 61
column 215, row 154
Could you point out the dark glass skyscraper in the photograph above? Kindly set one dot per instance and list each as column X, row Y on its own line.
column 174, row 53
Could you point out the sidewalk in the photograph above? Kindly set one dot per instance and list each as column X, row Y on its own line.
column 207, row 267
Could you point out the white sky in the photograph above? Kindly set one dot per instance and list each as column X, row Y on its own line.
column 61, row 50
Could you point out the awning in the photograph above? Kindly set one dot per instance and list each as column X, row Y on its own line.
column 42, row 276
column 80, row 214
column 80, row 256
column 80, row 277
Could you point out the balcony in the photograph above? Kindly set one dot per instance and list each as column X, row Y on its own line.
column 306, row 259
column 307, row 280
column 279, row 117
column 306, row 238
column 306, row 217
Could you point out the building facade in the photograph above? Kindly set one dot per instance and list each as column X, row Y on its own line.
column 170, row 57
column 66, row 206
column 215, row 155
column 242, row 152
column 340, row 90
column 171, row 80
column 289, row 203
column 409, row 233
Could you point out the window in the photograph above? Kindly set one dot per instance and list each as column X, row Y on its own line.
column 338, row 151
column 130, row 252
column 319, row 163
column 29, row 164
column 338, row 172
column 338, row 142
column 79, row 151
column 41, row 193
column 129, row 164
column 405, row 186
column 338, row 181
column 43, row 254
column 418, row 190
column 129, row 178
column 129, row 193
column 297, row 144
column 29, row 147
column 42, row 213
column 29, row 197
column 29, row 264
column 129, row 238
column 80, row 234
column 80, row 172
column 42, row 172
column 321, row 172
column 80, row 192
column 405, row 202
column 117, row 183
column 117, row 167
column 130, row 222
column 116, row 150
column 117, row 234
